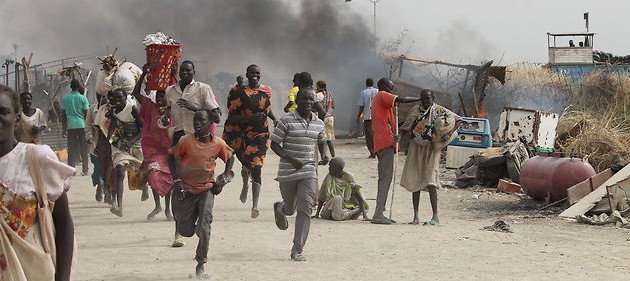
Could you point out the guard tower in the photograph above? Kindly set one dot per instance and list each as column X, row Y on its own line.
column 570, row 48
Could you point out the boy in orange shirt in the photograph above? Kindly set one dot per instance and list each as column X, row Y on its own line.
column 194, row 186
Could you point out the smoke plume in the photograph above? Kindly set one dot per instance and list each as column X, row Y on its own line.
column 221, row 36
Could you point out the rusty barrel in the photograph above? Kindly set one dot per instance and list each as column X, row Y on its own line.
column 551, row 176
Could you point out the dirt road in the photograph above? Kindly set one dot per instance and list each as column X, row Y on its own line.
column 542, row 246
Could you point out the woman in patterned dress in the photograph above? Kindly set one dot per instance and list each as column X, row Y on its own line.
column 246, row 130
column 22, row 255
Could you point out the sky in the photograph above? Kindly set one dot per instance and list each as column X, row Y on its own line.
column 331, row 39
column 460, row 31
column 465, row 31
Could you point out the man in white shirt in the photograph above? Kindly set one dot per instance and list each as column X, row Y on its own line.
column 186, row 97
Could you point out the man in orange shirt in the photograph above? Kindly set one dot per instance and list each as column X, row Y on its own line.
column 194, row 187
column 385, row 138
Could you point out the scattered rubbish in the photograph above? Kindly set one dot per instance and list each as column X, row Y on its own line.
column 604, row 219
column 616, row 198
column 499, row 226
column 447, row 184
column 508, row 186
column 466, row 176
column 492, row 164
column 589, row 201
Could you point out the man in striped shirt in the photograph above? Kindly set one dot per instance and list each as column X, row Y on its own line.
column 294, row 139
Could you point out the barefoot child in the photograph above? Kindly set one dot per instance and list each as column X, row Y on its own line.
column 124, row 133
column 340, row 197
column 194, row 186
column 155, row 145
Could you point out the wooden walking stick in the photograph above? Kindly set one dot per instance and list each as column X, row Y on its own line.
column 391, row 202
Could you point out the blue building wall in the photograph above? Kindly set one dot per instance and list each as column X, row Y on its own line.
column 578, row 71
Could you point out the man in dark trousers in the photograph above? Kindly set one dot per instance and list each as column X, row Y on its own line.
column 75, row 106
column 365, row 114
column 385, row 139
column 294, row 139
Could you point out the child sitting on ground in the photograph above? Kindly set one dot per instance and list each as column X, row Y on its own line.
column 339, row 196
column 194, row 186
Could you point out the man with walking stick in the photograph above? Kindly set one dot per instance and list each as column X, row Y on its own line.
column 385, row 139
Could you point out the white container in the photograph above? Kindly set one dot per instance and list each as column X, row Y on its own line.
column 538, row 127
column 457, row 156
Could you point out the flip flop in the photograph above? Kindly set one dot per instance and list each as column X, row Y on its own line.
column 432, row 222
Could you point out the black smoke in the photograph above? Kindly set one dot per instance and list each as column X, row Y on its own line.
column 323, row 37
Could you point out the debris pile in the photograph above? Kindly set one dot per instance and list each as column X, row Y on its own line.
column 493, row 164
column 604, row 139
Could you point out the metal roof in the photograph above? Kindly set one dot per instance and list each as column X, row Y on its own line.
column 571, row 34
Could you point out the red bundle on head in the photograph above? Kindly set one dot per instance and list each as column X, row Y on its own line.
column 163, row 60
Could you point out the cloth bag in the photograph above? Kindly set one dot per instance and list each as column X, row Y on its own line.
column 44, row 214
column 44, row 208
column 24, row 261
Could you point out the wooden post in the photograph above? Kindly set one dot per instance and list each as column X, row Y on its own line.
column 54, row 110
column 476, row 103
column 25, row 64
column 461, row 101
column 36, row 74
column 465, row 81
column 17, row 77
column 400, row 68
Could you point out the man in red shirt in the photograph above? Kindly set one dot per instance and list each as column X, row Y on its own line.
column 385, row 138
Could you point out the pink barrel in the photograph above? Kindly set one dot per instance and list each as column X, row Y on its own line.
column 552, row 176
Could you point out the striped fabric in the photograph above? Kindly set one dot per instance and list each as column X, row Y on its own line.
column 299, row 139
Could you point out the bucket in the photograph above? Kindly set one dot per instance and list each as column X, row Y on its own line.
column 162, row 61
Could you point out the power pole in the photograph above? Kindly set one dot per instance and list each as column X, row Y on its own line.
column 374, row 20
column 17, row 77
column 5, row 65
column 17, row 68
